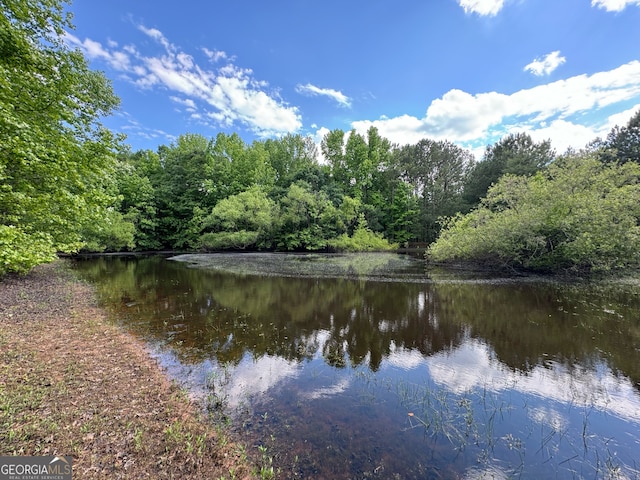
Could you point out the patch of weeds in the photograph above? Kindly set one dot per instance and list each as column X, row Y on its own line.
column 266, row 471
column 174, row 433
column 179, row 435
column 138, row 435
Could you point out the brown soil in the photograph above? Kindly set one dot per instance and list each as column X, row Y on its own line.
column 72, row 383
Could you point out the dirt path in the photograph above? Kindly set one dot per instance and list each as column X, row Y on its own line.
column 71, row 383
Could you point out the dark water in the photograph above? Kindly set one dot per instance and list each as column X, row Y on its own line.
column 367, row 366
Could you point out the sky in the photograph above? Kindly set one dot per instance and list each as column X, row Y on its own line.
column 466, row 71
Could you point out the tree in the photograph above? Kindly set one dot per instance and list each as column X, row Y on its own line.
column 182, row 188
column 333, row 150
column 138, row 203
column 516, row 154
column 578, row 215
column 308, row 219
column 291, row 158
column 363, row 239
column 436, row 170
column 114, row 233
column 358, row 166
column 623, row 143
column 241, row 221
column 55, row 157
column 403, row 213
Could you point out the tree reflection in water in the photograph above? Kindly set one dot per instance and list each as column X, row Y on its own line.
column 358, row 340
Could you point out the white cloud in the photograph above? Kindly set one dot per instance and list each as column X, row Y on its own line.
column 254, row 377
column 545, row 65
column 157, row 36
column 466, row 118
column 336, row 95
column 339, row 387
column 482, row 7
column 189, row 104
column 614, row 5
column 214, row 55
column 230, row 93
column 621, row 119
column 473, row 365
column 564, row 134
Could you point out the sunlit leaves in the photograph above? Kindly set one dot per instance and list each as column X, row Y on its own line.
column 577, row 215
column 240, row 221
column 55, row 159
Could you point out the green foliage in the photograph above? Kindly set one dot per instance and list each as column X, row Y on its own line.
column 240, row 239
column 113, row 233
column 138, row 198
column 181, row 187
column 577, row 215
column 403, row 213
column 21, row 251
column 362, row 240
column 235, row 167
column 240, row 221
column 55, row 158
column 623, row 143
column 515, row 154
column 436, row 171
column 292, row 158
column 332, row 147
column 301, row 221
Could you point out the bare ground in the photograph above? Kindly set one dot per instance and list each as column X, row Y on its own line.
column 72, row 383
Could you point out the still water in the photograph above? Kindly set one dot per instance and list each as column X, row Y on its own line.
column 371, row 366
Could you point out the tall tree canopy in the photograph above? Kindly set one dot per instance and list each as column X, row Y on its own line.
column 623, row 143
column 515, row 154
column 436, row 171
column 55, row 158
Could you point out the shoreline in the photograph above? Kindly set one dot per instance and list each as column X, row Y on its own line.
column 73, row 383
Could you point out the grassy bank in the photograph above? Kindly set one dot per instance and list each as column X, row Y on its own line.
column 72, row 383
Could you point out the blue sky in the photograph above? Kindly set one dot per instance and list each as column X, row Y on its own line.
column 467, row 71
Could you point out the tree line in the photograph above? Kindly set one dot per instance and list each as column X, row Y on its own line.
column 69, row 184
column 223, row 193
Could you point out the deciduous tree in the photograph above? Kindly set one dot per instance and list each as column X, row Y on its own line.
column 578, row 214
column 55, row 157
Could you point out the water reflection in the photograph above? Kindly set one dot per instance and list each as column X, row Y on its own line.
column 468, row 378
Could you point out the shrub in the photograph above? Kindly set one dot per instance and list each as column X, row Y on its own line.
column 20, row 251
column 362, row 240
column 578, row 215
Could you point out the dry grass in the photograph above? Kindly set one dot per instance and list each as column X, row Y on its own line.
column 72, row 383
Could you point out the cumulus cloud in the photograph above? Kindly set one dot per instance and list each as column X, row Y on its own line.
column 622, row 119
column 614, row 5
column 550, row 109
column 336, row 95
column 545, row 65
column 482, row 7
column 229, row 95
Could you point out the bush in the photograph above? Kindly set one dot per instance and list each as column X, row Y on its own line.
column 577, row 215
column 362, row 240
column 20, row 251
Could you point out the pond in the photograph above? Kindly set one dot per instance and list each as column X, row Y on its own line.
column 372, row 366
